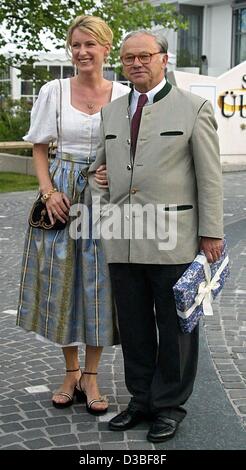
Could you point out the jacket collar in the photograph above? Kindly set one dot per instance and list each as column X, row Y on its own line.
column 161, row 94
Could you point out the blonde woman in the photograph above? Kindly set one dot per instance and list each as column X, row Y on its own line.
column 65, row 293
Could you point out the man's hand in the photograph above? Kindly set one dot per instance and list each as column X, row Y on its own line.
column 101, row 176
column 212, row 248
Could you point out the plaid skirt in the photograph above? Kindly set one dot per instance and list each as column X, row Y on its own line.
column 65, row 291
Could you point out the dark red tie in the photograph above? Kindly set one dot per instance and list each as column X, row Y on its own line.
column 142, row 100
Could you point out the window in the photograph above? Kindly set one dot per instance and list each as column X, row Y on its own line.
column 55, row 71
column 5, row 82
column 30, row 89
column 190, row 40
column 239, row 33
column 68, row 71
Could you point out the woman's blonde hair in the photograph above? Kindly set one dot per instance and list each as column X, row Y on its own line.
column 93, row 25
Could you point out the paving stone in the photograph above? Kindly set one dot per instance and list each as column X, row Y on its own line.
column 9, row 439
column 239, row 402
column 241, row 367
column 11, row 418
column 33, row 423
column 88, row 437
column 11, row 427
column 134, row 435
column 217, row 354
column 242, row 409
column 36, row 444
column 103, row 426
column 83, row 418
column 57, row 420
column 66, row 439
column 114, row 446
column 140, row 446
column 36, row 414
column 56, row 430
column 14, row 447
column 230, row 378
column 74, row 447
column 32, row 434
column 91, row 427
column 238, row 393
column 239, row 385
column 89, row 447
column 30, row 406
column 6, row 410
column 112, row 436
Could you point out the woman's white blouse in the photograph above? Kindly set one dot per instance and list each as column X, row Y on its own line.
column 80, row 131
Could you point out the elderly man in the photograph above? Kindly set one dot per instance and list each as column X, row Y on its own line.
column 161, row 150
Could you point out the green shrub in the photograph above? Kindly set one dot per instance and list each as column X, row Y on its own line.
column 14, row 121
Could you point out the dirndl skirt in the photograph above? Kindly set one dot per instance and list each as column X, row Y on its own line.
column 65, row 291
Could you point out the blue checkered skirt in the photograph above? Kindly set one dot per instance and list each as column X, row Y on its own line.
column 65, row 291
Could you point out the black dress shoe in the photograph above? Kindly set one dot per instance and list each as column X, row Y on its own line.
column 127, row 419
column 163, row 428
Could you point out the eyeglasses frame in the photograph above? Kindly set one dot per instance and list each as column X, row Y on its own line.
column 138, row 57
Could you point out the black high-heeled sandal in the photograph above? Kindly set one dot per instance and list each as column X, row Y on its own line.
column 69, row 402
column 82, row 397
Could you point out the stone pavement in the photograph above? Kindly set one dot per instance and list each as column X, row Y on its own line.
column 30, row 370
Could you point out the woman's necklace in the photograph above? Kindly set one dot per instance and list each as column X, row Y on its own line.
column 90, row 105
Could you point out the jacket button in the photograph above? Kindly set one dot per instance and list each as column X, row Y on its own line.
column 133, row 191
column 129, row 167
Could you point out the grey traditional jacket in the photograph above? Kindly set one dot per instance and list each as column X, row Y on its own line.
column 175, row 176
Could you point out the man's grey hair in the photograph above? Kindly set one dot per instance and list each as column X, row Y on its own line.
column 158, row 35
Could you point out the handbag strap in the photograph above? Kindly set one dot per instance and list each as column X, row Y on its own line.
column 60, row 96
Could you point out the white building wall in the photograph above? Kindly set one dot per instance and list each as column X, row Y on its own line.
column 217, row 38
column 172, row 38
column 217, row 33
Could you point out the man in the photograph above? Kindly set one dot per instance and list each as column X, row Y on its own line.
column 173, row 166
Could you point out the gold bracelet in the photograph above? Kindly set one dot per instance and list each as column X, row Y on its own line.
column 47, row 195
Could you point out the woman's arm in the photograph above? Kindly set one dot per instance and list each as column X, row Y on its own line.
column 58, row 203
column 41, row 164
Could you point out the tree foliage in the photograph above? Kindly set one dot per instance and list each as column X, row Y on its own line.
column 14, row 120
column 26, row 22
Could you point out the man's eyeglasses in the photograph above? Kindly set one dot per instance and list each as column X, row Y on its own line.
column 144, row 58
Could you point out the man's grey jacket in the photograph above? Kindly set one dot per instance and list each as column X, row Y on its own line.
column 176, row 170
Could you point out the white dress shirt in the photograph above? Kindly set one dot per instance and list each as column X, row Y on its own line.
column 150, row 94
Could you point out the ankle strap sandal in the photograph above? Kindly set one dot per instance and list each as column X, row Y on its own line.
column 69, row 396
column 82, row 397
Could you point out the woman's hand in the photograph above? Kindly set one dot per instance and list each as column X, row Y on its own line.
column 101, row 177
column 58, row 206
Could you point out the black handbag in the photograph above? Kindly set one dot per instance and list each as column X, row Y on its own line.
column 39, row 217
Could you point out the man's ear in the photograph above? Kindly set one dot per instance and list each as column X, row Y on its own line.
column 164, row 59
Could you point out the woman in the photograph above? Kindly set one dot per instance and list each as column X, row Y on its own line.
column 65, row 293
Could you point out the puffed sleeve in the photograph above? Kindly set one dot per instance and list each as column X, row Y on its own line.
column 43, row 127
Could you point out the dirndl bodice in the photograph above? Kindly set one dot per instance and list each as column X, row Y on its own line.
column 65, row 291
